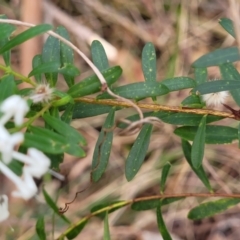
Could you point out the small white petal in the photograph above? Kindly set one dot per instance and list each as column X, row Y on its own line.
column 25, row 185
column 15, row 107
column 215, row 99
column 36, row 162
column 8, row 143
column 4, row 213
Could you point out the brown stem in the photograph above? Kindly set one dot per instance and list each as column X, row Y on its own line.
column 156, row 107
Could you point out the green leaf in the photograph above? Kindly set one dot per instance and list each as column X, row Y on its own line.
column 217, row 86
column 99, row 56
column 227, row 24
column 189, row 119
column 100, row 206
column 24, row 36
column 7, row 87
column 36, row 62
column 138, row 152
column 201, row 75
column 187, row 148
column 214, row 134
column 229, row 72
column 106, row 235
column 153, row 203
column 161, row 224
column 7, row 54
column 68, row 113
column 165, row 172
column 218, row 57
column 103, row 148
column 51, row 53
column 45, row 140
column 6, row 29
column 138, row 90
column 16, row 167
column 92, row 85
column 149, row 63
column 53, row 206
column 40, row 228
column 69, row 70
column 50, row 142
column 50, row 67
column 66, row 55
column 178, row 83
column 70, row 133
column 209, row 209
column 193, row 101
column 84, row 110
column 198, row 145
column 73, row 233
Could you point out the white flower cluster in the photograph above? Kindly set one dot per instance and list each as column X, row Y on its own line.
column 35, row 162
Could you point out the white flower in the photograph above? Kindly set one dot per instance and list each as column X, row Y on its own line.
column 215, row 99
column 8, row 143
column 15, row 107
column 36, row 162
column 25, row 185
column 4, row 213
column 42, row 93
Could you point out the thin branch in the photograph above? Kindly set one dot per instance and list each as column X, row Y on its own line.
column 156, row 107
column 141, row 199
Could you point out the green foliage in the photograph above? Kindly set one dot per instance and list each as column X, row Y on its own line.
column 57, row 137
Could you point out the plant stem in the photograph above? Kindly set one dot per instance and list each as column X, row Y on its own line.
column 156, row 107
column 30, row 120
column 140, row 199
column 8, row 70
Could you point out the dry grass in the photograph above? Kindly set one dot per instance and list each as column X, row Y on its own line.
column 181, row 32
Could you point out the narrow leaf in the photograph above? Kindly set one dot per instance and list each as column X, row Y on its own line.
column 73, row 233
column 217, row 86
column 84, row 110
column 45, row 68
column 153, row 203
column 53, row 206
column 214, row 134
column 193, row 101
column 40, row 228
column 228, row 71
column 7, row 87
column 36, row 62
column 103, row 148
column 149, row 63
column 99, row 56
column 218, row 57
column 179, row 83
column 138, row 90
column 199, row 144
column 70, row 133
column 68, row 113
column 201, row 75
column 161, row 225
column 6, row 29
column 187, row 148
column 24, row 36
column 165, row 172
column 239, row 135
column 138, row 152
column 106, row 235
column 209, row 209
column 227, row 24
column 66, row 55
column 92, row 85
column 51, row 53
